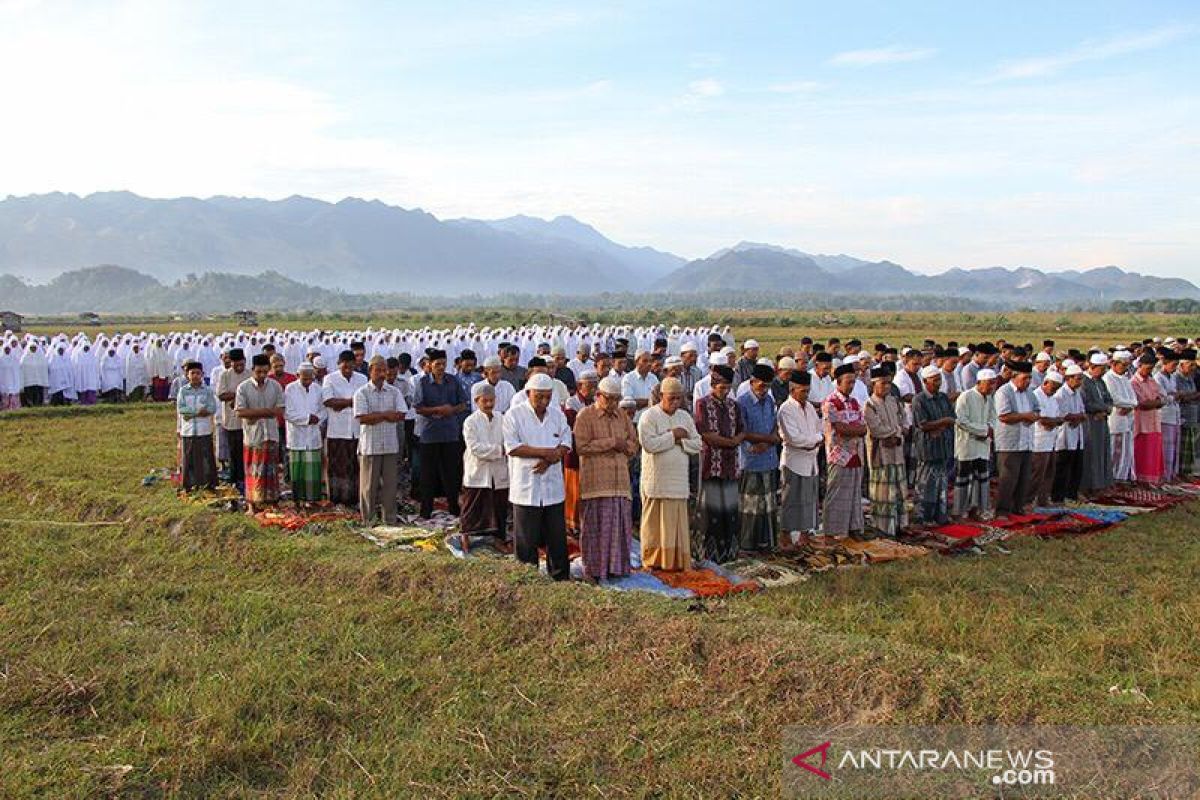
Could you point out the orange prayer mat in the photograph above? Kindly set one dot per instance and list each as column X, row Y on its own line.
column 704, row 582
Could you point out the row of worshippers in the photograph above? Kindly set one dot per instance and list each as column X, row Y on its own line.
column 61, row 371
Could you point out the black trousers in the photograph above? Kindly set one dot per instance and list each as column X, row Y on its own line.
column 58, row 399
column 1014, row 491
column 441, row 475
column 33, row 396
column 542, row 526
column 1068, row 474
column 237, row 468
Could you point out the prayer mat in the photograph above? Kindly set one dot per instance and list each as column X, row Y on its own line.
column 704, row 582
column 401, row 538
column 482, row 545
column 291, row 520
column 638, row 581
column 877, row 551
column 770, row 575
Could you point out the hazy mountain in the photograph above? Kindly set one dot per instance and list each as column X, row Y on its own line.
column 365, row 245
column 748, row 267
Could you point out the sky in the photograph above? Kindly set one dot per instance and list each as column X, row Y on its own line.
column 1059, row 135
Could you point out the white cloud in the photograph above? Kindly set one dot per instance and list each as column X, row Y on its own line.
column 701, row 90
column 892, row 54
column 1092, row 50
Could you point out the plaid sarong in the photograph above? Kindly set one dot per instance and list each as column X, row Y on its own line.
column 887, row 489
column 930, row 490
column 843, row 501
column 971, row 486
column 262, row 473
column 759, row 510
column 304, row 469
column 1189, row 452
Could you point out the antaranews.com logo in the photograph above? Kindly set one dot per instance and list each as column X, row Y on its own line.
column 1009, row 767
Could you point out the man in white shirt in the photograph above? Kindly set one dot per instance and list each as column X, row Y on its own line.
column 537, row 437
column 304, row 411
column 1068, row 445
column 341, row 442
column 485, row 470
column 1045, row 435
column 704, row 385
column 1120, row 420
column 802, row 433
column 503, row 389
column 378, row 407
column 639, row 383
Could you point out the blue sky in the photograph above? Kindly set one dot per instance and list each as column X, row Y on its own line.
column 1060, row 135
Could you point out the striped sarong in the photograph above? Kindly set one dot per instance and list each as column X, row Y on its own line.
column 887, row 486
column 971, row 486
column 1189, row 452
column 759, row 507
column 798, row 510
column 843, row 501
column 606, row 536
column 304, row 469
column 262, row 473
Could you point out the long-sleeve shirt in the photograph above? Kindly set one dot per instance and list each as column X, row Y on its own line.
column 1123, row 397
column 1070, row 437
column 522, row 427
column 885, row 420
column 758, row 416
column 604, row 471
column 1146, row 420
column 188, row 403
column 938, row 446
column 484, row 463
column 665, row 460
column 975, row 416
column 1044, row 438
column 300, row 404
column 1170, row 411
column 801, row 431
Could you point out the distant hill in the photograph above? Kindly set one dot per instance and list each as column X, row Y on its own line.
column 747, row 266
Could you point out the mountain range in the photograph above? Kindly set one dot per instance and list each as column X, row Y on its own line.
column 361, row 246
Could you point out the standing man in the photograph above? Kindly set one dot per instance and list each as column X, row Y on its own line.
column 440, row 399
column 1147, row 422
column 378, row 408
column 537, row 437
column 802, row 436
column 718, row 420
column 975, row 422
column 638, row 383
column 1120, row 421
column 1014, row 439
column 1189, row 414
column 1098, row 405
column 485, row 470
column 668, row 436
column 196, row 404
column 886, row 428
column 1169, row 415
column 342, row 430
column 845, row 428
column 1045, row 437
column 227, row 386
column 1068, row 467
column 933, row 446
column 303, row 412
column 256, row 403
column 759, row 484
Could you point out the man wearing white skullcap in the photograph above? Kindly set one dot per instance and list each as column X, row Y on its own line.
column 933, row 447
column 1068, row 467
column 668, row 437
column 1045, row 437
column 1120, row 421
column 1098, row 405
column 975, row 419
column 485, row 468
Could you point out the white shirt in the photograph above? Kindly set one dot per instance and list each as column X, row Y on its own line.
column 800, row 427
column 484, row 464
column 701, row 389
column 635, row 386
column 342, row 424
column 820, row 388
column 1069, row 402
column 504, row 396
column 1170, row 411
column 1121, row 389
column 522, row 427
column 1043, row 437
column 299, row 404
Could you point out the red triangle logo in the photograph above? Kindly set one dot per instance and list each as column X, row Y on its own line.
column 802, row 760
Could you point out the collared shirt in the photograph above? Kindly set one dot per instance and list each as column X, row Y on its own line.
column 885, row 419
column 1148, row 420
column 975, row 416
column 484, row 464
column 689, row 377
column 604, row 474
column 800, row 429
column 299, row 405
column 819, row 389
column 229, row 381
column 1044, row 438
column 1170, row 412
column 1121, row 389
column 638, row 387
column 504, row 395
column 843, row 451
column 382, row 438
column 188, row 403
column 342, row 424
column 758, row 416
column 937, row 446
column 1013, row 436
column 522, row 427
column 1070, row 437
column 1189, row 411
column 447, row 393
column 724, row 418
column 250, row 395
column 949, row 383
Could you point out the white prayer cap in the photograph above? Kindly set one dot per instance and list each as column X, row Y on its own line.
column 750, row 344
column 688, row 347
column 628, row 402
column 1068, row 363
column 640, row 352
column 590, row 375
column 558, row 350
column 1053, row 376
column 482, row 389
column 1073, row 370
column 986, row 375
column 541, row 382
column 1170, row 340
column 611, row 385
column 1123, row 355
column 930, row 371
column 718, row 360
column 491, row 361
column 1098, row 358
column 318, row 362
column 766, row 362
column 1043, row 356
column 673, row 361
column 787, row 362
column 306, row 366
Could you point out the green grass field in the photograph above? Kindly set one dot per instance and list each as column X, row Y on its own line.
column 185, row 652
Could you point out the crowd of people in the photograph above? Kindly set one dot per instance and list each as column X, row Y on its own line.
column 705, row 448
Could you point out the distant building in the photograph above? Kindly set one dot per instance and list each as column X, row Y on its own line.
column 246, row 317
column 90, row 318
column 11, row 321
